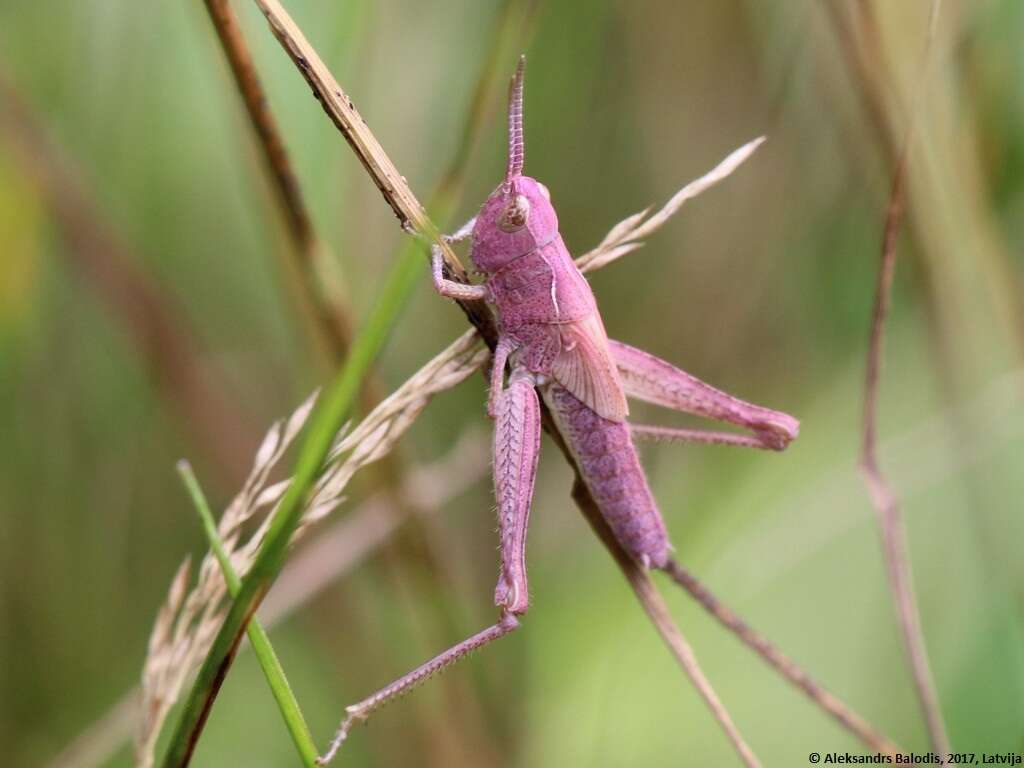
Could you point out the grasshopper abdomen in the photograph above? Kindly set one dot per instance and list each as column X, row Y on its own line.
column 611, row 469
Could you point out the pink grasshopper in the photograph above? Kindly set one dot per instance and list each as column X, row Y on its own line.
column 553, row 340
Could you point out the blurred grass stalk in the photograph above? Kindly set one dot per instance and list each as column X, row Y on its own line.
column 966, row 300
column 291, row 713
column 315, row 297
column 157, row 326
column 889, row 514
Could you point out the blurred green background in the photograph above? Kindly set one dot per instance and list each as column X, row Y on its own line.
column 763, row 286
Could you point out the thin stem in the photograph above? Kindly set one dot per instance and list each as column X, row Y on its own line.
column 887, row 508
column 657, row 611
column 258, row 638
column 781, row 663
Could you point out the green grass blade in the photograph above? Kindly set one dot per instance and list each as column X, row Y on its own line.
column 331, row 411
column 258, row 638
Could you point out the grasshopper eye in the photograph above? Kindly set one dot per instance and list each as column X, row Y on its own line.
column 544, row 191
column 514, row 217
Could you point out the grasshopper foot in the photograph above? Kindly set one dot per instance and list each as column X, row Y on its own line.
column 511, row 596
column 778, row 430
column 353, row 714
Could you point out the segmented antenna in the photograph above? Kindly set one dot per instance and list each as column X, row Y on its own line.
column 516, row 152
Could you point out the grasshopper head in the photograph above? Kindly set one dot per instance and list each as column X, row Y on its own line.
column 518, row 216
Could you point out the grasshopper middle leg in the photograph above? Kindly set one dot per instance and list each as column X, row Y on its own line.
column 516, row 450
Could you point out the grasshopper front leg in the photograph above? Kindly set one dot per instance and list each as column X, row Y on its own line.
column 648, row 378
column 451, row 288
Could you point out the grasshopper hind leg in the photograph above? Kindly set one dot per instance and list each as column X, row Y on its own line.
column 648, row 378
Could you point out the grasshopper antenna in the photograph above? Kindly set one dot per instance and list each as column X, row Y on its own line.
column 516, row 153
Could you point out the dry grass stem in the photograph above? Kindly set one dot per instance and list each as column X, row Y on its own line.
column 656, row 609
column 342, row 111
column 887, row 507
column 396, row 192
column 781, row 663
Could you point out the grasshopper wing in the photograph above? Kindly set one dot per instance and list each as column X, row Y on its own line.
column 585, row 367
